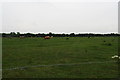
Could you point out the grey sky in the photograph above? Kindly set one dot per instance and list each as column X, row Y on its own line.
column 60, row 16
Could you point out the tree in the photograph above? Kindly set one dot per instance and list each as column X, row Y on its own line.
column 18, row 34
column 12, row 34
column 50, row 34
column 72, row 34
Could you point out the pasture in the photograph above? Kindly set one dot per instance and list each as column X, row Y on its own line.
column 76, row 57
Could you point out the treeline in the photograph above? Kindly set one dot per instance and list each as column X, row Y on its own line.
column 18, row 34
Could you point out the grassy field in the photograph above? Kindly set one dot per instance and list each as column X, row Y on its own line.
column 20, row 52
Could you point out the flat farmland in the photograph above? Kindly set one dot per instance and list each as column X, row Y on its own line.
column 58, row 57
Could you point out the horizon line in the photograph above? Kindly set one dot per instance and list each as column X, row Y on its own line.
column 64, row 32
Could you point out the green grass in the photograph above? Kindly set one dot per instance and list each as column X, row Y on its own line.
column 18, row 52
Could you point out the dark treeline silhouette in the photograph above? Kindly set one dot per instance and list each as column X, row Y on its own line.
column 18, row 34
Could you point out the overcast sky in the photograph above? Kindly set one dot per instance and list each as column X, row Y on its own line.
column 59, row 16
